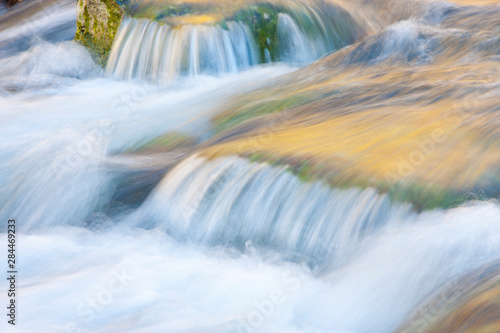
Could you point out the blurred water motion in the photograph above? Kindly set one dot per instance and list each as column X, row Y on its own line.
column 254, row 166
column 188, row 43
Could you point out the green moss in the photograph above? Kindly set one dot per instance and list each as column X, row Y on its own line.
column 426, row 196
column 98, row 38
column 304, row 172
column 174, row 11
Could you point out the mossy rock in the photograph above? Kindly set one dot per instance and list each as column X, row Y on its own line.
column 96, row 26
column 263, row 22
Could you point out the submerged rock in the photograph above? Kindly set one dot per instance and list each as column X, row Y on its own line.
column 97, row 23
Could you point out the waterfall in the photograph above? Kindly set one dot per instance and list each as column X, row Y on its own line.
column 148, row 50
column 230, row 201
column 295, row 46
column 153, row 51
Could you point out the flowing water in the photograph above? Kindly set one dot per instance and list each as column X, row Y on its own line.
column 230, row 201
column 215, row 245
column 158, row 52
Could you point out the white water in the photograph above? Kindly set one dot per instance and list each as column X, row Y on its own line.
column 164, row 266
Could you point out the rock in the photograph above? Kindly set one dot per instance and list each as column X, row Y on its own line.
column 135, row 176
column 97, row 23
column 470, row 303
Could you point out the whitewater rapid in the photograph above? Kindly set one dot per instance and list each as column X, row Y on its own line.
column 53, row 150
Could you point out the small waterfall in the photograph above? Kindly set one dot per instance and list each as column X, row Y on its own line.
column 147, row 50
column 230, row 201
